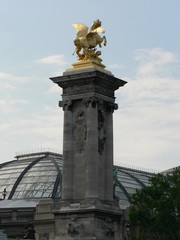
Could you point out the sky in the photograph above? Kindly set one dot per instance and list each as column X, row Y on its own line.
column 36, row 43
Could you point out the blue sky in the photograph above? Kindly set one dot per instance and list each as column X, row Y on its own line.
column 36, row 42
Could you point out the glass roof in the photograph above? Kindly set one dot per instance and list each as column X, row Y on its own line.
column 32, row 176
column 38, row 175
column 127, row 181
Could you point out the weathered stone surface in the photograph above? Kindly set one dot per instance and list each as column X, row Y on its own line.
column 88, row 104
column 44, row 220
column 87, row 224
column 87, row 210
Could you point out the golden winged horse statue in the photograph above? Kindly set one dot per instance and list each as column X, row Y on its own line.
column 88, row 41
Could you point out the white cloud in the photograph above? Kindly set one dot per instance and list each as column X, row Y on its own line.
column 147, row 124
column 40, row 130
column 7, row 86
column 54, row 89
column 10, row 77
column 155, row 55
column 153, row 60
column 57, row 60
column 9, row 81
column 11, row 105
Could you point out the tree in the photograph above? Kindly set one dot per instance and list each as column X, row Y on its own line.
column 155, row 209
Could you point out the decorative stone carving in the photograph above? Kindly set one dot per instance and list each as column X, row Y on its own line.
column 74, row 228
column 44, row 236
column 29, row 232
column 77, row 89
column 92, row 101
column 101, row 143
column 80, row 130
column 104, row 90
column 80, row 117
column 110, row 107
column 66, row 105
column 109, row 227
column 101, row 132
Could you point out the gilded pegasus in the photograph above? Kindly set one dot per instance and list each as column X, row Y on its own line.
column 88, row 41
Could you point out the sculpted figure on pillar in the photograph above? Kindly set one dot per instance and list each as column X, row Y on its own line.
column 87, row 41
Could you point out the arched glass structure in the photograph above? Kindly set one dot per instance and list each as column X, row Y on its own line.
column 39, row 175
column 32, row 176
column 127, row 181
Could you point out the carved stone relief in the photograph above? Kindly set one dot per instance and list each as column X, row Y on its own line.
column 80, row 130
column 29, row 232
column 44, row 236
column 77, row 89
column 92, row 101
column 104, row 90
column 73, row 228
column 109, row 227
column 101, row 132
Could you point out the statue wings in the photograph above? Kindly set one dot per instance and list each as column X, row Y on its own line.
column 81, row 29
column 98, row 30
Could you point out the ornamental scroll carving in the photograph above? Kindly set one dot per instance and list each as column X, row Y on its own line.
column 80, row 130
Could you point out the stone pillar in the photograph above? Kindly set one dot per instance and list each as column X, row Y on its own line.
column 88, row 104
column 87, row 210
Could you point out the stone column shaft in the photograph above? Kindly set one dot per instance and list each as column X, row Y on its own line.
column 92, row 153
column 67, row 177
column 109, row 157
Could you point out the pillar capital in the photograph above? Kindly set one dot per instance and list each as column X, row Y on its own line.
column 66, row 105
column 88, row 82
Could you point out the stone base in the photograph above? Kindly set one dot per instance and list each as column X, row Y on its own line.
column 44, row 220
column 78, row 222
column 88, row 64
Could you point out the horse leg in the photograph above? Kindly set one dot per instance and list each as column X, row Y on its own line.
column 100, row 40
column 105, row 40
column 78, row 49
column 87, row 56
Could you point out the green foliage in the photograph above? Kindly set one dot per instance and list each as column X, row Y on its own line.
column 156, row 208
